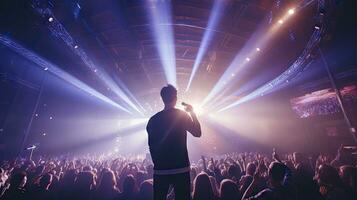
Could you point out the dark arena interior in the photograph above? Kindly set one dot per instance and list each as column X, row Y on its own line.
column 178, row 99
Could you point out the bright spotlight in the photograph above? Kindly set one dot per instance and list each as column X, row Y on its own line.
column 50, row 19
column 199, row 111
column 280, row 21
column 247, row 59
column 76, row 46
column 291, row 11
column 46, row 68
column 258, row 49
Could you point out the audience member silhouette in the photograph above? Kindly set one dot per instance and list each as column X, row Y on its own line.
column 202, row 189
column 16, row 190
column 106, row 189
column 129, row 189
column 331, row 186
column 41, row 190
column 229, row 190
column 84, row 185
column 279, row 178
column 146, row 191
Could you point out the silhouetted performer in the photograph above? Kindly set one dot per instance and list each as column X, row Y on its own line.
column 167, row 132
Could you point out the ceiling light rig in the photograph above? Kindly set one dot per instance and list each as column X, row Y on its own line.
column 289, row 13
column 59, row 31
column 293, row 71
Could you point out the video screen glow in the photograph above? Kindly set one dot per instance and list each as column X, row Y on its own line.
column 323, row 102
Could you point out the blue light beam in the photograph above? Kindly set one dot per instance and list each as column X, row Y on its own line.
column 293, row 70
column 239, row 63
column 284, row 78
column 46, row 65
column 207, row 37
column 253, row 46
column 59, row 31
column 161, row 20
column 256, row 43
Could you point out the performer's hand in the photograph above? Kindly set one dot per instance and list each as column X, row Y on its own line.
column 188, row 108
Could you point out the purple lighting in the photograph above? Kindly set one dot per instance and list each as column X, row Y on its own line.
column 161, row 25
column 41, row 62
column 207, row 37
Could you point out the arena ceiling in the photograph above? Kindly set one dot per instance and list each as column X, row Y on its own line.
column 117, row 37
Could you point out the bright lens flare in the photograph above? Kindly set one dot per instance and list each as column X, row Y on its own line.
column 291, row 11
column 198, row 110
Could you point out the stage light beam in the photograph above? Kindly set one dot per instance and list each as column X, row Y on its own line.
column 207, row 37
column 258, row 41
column 59, row 31
column 161, row 25
column 283, row 79
column 44, row 64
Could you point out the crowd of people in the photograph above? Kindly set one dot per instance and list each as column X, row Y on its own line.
column 221, row 177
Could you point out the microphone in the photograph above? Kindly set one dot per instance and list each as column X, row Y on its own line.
column 188, row 107
column 31, row 147
column 184, row 104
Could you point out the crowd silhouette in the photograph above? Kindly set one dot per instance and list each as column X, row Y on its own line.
column 245, row 175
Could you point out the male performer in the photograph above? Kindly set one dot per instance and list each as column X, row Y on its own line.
column 167, row 132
